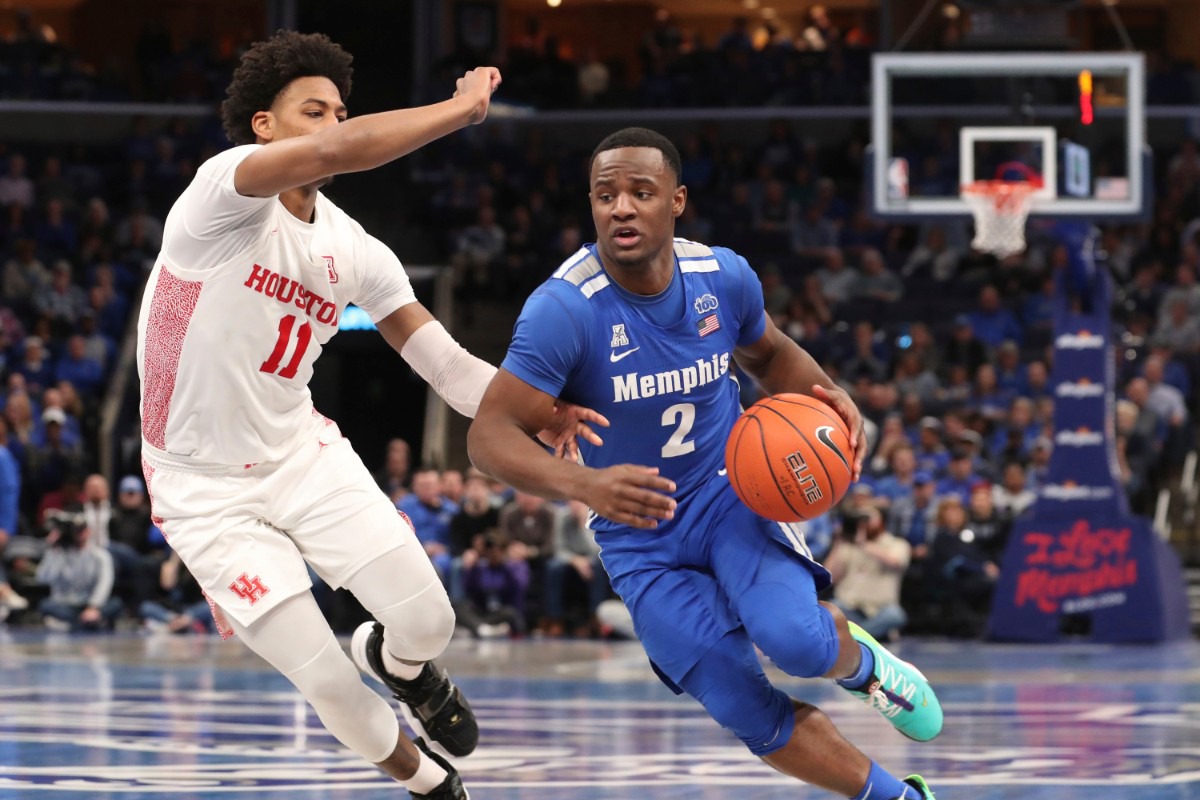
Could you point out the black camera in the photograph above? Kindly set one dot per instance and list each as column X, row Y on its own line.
column 852, row 522
column 70, row 526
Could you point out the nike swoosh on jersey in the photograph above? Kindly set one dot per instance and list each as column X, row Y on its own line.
column 615, row 357
column 823, row 436
column 722, row 471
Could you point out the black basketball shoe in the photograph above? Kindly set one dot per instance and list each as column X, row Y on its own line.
column 449, row 789
column 436, row 708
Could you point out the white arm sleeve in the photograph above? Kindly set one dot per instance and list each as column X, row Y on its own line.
column 457, row 376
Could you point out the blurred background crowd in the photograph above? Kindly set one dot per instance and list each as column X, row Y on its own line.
column 946, row 350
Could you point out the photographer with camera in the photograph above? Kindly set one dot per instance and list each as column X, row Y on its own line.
column 867, row 564
column 79, row 575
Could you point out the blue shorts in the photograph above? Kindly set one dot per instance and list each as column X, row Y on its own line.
column 715, row 581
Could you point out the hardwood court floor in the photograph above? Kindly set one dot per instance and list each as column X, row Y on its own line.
column 156, row 716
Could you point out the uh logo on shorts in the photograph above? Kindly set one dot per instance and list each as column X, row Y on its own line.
column 249, row 589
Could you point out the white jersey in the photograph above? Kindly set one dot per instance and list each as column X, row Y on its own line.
column 240, row 302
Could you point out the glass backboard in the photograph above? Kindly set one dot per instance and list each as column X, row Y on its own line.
column 1076, row 121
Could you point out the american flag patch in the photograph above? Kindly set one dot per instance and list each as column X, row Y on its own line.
column 708, row 324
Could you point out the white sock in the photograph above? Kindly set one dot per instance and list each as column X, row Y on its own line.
column 401, row 669
column 429, row 776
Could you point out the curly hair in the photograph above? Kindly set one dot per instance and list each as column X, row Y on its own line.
column 269, row 66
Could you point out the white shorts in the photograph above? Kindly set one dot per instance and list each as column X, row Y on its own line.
column 245, row 533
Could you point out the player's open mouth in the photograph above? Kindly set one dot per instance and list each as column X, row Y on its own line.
column 626, row 237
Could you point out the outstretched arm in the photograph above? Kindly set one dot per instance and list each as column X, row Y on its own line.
column 499, row 443
column 781, row 365
column 365, row 142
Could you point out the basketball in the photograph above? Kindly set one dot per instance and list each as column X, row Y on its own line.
column 789, row 457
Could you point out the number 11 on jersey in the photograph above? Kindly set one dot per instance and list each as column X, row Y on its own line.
column 303, row 337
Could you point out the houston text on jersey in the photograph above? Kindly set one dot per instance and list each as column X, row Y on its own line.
column 290, row 292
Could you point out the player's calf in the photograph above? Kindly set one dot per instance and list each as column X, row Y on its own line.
column 437, row 706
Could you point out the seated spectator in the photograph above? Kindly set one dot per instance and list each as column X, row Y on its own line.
column 496, row 586
column 933, row 260
column 452, row 486
column 990, row 526
column 16, row 188
column 476, row 515
column 912, row 376
column 868, row 358
column 812, row 234
column 963, row 574
column 891, row 439
column 575, row 556
column 964, row 348
column 1170, row 406
column 393, row 479
column 36, row 366
column 836, row 279
column 777, row 295
column 53, row 467
column 1010, row 372
column 867, row 564
column 61, row 300
column 24, row 276
column 55, row 234
column 1012, row 495
column 931, row 454
column 901, row 480
column 1178, row 328
column 181, row 605
column 76, row 366
column 527, row 523
column 430, row 515
column 987, row 398
column 960, row 476
column 1037, row 381
column 79, row 575
column 877, row 285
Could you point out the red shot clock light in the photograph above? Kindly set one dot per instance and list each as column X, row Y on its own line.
column 1086, row 114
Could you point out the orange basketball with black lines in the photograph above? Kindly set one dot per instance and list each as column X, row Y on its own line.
column 789, row 457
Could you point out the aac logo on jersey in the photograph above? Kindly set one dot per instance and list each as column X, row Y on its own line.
column 619, row 339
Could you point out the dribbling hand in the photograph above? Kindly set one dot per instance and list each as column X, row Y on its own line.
column 479, row 84
column 631, row 495
column 846, row 409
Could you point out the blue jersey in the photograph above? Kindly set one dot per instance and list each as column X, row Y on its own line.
column 659, row 368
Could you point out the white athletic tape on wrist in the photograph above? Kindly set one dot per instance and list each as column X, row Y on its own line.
column 457, row 376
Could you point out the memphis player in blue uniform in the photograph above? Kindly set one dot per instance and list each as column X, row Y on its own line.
column 645, row 328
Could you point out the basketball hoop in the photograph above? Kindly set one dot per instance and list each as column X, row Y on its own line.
column 1000, row 208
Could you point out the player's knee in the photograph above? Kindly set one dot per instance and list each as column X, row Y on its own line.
column 763, row 720
column 801, row 644
column 420, row 629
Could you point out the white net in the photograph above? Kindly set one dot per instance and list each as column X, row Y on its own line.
column 1000, row 209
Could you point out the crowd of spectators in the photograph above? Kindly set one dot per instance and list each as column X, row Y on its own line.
column 947, row 351
column 36, row 65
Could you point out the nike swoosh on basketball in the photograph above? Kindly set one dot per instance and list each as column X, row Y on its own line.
column 823, row 435
column 615, row 357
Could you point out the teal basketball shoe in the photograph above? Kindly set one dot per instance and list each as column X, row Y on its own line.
column 900, row 692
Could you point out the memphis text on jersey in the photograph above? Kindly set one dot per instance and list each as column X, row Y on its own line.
column 635, row 386
column 291, row 292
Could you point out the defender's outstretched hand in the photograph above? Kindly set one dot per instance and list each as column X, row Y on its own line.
column 479, row 83
column 571, row 421
column 846, row 409
column 631, row 495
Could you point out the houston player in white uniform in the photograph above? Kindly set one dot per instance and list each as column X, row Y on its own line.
column 248, row 482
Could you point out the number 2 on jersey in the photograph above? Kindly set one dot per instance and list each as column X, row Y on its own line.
column 303, row 337
column 676, row 446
